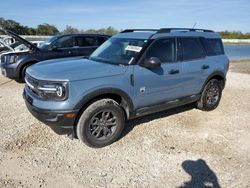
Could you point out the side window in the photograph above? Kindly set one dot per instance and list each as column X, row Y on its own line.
column 101, row 40
column 213, row 46
column 64, row 42
column 192, row 49
column 83, row 41
column 164, row 49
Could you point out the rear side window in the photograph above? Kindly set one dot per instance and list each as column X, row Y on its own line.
column 163, row 49
column 101, row 40
column 83, row 41
column 192, row 49
column 213, row 46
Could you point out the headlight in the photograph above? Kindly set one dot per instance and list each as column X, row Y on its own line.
column 13, row 59
column 53, row 91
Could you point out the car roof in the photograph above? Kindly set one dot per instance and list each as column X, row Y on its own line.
column 83, row 34
column 135, row 35
column 166, row 32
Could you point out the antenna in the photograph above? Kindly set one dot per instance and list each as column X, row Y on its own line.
column 194, row 25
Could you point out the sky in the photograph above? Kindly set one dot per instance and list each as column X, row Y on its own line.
column 218, row 15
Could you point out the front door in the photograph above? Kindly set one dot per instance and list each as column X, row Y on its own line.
column 63, row 47
column 157, row 85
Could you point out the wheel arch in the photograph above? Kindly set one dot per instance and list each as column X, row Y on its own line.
column 216, row 75
column 24, row 64
column 118, row 95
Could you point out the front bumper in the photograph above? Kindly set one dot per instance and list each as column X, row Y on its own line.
column 56, row 120
column 9, row 70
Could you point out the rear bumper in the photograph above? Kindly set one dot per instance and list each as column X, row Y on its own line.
column 56, row 120
column 9, row 70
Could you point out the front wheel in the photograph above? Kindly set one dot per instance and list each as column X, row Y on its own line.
column 101, row 123
column 21, row 78
column 210, row 96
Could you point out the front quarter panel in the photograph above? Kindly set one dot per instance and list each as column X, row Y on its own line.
column 83, row 89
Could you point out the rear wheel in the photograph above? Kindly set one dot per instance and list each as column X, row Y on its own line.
column 210, row 96
column 101, row 123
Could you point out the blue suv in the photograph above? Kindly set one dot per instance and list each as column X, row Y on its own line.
column 134, row 73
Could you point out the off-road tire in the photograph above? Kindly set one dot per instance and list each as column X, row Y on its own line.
column 93, row 115
column 211, row 95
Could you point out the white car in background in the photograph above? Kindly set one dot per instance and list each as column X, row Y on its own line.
column 6, row 48
column 37, row 43
column 15, row 46
column 8, row 40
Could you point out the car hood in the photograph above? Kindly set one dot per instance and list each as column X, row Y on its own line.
column 72, row 69
column 20, row 39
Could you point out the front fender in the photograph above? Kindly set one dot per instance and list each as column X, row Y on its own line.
column 109, row 90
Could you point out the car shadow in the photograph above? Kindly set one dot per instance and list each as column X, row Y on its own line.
column 130, row 124
column 201, row 175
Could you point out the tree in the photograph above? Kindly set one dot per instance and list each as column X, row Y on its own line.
column 70, row 30
column 111, row 31
column 13, row 26
column 43, row 29
column 107, row 31
column 46, row 29
column 30, row 30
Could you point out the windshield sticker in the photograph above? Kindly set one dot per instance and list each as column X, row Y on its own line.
column 133, row 48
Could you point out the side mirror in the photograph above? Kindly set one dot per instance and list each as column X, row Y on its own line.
column 54, row 48
column 152, row 62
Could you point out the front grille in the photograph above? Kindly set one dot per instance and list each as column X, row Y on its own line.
column 32, row 84
column 3, row 58
column 32, row 80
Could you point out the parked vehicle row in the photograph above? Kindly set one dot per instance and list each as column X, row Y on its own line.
column 132, row 74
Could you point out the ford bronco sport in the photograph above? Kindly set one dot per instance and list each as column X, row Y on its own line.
column 134, row 73
column 14, row 64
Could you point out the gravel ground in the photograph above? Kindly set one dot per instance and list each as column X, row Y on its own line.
column 183, row 147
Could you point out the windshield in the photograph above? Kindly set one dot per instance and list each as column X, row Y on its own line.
column 118, row 50
column 46, row 44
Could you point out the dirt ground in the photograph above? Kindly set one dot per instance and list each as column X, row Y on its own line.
column 182, row 147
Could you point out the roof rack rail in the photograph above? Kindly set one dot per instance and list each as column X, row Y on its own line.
column 133, row 30
column 168, row 30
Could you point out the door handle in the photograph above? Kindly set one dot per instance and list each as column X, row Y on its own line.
column 174, row 71
column 205, row 67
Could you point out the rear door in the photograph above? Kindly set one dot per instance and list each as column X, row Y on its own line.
column 194, row 64
column 85, row 45
column 102, row 39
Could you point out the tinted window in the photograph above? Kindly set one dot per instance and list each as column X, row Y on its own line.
column 164, row 49
column 64, row 42
column 192, row 49
column 82, row 41
column 101, row 40
column 213, row 46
